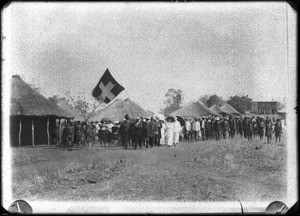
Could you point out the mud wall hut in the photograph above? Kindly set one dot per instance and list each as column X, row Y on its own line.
column 32, row 116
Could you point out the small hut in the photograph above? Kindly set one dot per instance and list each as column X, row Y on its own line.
column 32, row 116
column 194, row 109
column 229, row 109
column 118, row 109
column 219, row 110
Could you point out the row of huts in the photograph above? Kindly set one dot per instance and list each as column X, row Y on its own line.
column 33, row 116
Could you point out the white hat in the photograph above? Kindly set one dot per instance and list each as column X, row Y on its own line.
column 217, row 118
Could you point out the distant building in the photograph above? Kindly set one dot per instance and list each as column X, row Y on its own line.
column 264, row 107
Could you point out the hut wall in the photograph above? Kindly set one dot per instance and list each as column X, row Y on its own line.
column 40, row 131
column 26, row 135
column 14, row 131
column 51, row 128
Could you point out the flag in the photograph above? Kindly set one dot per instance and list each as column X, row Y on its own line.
column 107, row 88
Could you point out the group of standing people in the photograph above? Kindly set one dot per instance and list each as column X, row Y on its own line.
column 148, row 132
column 223, row 128
column 151, row 132
column 77, row 133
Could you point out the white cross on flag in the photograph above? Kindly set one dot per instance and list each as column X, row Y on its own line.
column 107, row 88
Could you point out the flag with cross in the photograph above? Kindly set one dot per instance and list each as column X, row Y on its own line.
column 107, row 88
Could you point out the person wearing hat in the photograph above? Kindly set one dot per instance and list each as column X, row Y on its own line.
column 162, row 140
column 245, row 123
column 208, row 128
column 124, row 131
column 188, row 130
column 153, row 132
column 144, row 133
column 70, row 137
column 203, row 122
column 267, row 123
column 260, row 127
column 136, row 132
column 169, row 131
column 217, row 128
column 196, row 129
column 278, row 130
column 269, row 132
column 240, row 126
column 77, row 135
column 232, row 126
column 177, row 129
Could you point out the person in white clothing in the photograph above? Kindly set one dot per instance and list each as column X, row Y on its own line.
column 162, row 132
column 188, row 130
column 196, row 129
column 177, row 129
column 169, row 131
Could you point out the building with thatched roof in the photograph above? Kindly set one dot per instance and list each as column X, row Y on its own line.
column 194, row 110
column 218, row 109
column 229, row 109
column 118, row 109
column 32, row 116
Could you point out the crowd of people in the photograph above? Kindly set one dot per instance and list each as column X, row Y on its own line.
column 153, row 132
column 229, row 127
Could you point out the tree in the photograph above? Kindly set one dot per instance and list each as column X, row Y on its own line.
column 240, row 103
column 87, row 109
column 281, row 104
column 204, row 99
column 215, row 100
column 173, row 101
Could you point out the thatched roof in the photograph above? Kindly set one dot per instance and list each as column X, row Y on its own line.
column 118, row 109
column 229, row 109
column 25, row 101
column 66, row 106
column 150, row 113
column 194, row 110
column 218, row 109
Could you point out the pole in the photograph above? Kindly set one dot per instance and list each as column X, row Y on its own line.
column 20, row 131
column 130, row 104
column 32, row 130
column 59, row 133
column 48, row 133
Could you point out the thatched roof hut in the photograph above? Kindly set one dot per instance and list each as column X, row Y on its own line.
column 218, row 109
column 26, row 101
column 229, row 109
column 118, row 109
column 32, row 116
column 194, row 110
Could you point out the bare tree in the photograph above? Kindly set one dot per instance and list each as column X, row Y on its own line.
column 79, row 102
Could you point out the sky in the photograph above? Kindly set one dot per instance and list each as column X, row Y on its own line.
column 201, row 48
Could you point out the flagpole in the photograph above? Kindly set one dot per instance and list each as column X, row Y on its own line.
column 128, row 98
column 129, row 103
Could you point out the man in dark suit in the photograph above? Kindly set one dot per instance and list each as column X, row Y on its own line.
column 137, row 132
column 245, row 126
column 232, row 126
column 124, row 131
column 153, row 133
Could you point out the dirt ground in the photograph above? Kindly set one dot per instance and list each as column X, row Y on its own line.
column 225, row 170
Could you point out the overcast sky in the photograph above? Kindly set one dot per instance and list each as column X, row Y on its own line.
column 201, row 48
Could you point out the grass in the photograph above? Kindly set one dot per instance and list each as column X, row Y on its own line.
column 226, row 170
